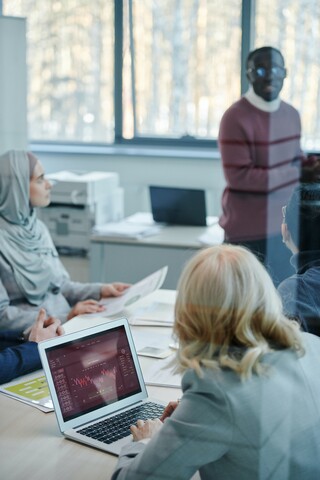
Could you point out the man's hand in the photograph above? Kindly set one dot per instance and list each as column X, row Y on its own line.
column 45, row 328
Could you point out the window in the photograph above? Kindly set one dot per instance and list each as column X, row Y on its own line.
column 171, row 67
column 181, row 66
column 294, row 28
column 71, row 68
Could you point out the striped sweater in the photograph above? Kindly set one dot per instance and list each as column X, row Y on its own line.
column 261, row 159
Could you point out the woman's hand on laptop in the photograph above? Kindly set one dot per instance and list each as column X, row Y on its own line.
column 45, row 327
column 168, row 411
column 145, row 429
column 113, row 289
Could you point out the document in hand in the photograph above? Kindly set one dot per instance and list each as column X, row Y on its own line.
column 135, row 292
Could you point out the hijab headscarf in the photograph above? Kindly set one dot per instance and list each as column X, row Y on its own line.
column 25, row 243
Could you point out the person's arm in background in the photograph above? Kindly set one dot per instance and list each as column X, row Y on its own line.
column 236, row 145
column 84, row 297
column 24, row 357
column 13, row 317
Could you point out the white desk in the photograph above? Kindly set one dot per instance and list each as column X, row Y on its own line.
column 31, row 446
column 128, row 260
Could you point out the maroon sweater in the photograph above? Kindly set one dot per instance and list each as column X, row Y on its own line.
column 258, row 150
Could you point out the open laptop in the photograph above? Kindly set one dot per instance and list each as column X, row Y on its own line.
column 178, row 206
column 96, row 385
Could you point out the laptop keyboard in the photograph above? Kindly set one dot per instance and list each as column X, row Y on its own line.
column 112, row 429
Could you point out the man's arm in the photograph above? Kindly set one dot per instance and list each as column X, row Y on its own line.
column 18, row 360
column 24, row 358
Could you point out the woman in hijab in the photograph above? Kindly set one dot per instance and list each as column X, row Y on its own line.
column 31, row 274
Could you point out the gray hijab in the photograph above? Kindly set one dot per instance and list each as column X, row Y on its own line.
column 25, row 243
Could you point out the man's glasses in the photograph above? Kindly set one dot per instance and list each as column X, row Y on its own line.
column 262, row 72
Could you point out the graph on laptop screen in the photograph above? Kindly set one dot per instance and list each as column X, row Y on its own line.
column 93, row 372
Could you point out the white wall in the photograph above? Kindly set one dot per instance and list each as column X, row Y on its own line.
column 137, row 172
column 13, row 84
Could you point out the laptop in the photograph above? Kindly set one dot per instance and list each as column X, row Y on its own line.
column 178, row 206
column 97, row 386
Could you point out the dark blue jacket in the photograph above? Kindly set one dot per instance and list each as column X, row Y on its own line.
column 16, row 357
column 300, row 293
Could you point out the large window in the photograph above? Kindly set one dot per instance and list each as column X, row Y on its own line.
column 181, row 66
column 148, row 71
column 70, row 68
column 294, row 27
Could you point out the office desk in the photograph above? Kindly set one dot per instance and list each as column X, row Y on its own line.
column 31, row 446
column 129, row 260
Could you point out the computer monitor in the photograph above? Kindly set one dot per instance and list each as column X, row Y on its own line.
column 178, row 206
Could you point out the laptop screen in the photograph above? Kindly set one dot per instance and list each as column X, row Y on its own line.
column 92, row 372
column 178, row 206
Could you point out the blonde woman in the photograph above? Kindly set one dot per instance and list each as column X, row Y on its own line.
column 250, row 407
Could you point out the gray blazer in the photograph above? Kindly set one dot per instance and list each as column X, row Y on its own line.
column 265, row 428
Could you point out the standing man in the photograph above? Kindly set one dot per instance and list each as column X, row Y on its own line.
column 259, row 142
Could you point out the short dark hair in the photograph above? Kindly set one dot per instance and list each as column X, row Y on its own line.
column 303, row 217
column 266, row 49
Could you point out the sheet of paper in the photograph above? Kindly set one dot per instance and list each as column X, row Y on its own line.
column 141, row 218
column 135, row 292
column 126, row 230
column 143, row 338
column 159, row 314
column 213, row 236
column 31, row 389
column 161, row 373
column 155, row 352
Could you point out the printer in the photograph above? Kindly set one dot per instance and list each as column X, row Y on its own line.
column 80, row 201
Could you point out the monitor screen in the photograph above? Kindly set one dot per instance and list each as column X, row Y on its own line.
column 92, row 372
column 178, row 206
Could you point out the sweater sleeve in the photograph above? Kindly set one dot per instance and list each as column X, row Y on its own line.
column 19, row 360
column 75, row 291
column 13, row 317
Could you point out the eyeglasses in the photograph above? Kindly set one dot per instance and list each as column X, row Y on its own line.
column 284, row 212
column 262, row 72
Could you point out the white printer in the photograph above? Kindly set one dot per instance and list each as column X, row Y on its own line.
column 79, row 201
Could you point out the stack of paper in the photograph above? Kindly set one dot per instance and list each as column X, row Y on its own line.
column 126, row 229
column 213, row 236
column 161, row 373
column 158, row 314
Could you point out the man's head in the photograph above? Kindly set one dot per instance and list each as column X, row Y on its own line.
column 301, row 219
column 266, row 72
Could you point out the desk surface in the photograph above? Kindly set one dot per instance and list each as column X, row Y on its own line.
column 31, row 446
column 169, row 236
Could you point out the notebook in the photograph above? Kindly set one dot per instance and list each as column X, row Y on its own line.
column 96, row 385
column 178, row 206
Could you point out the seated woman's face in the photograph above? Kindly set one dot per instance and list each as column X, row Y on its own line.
column 39, row 187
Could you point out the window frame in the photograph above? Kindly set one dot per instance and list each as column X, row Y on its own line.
column 247, row 36
column 142, row 142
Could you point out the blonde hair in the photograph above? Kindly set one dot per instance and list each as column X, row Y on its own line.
column 228, row 313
